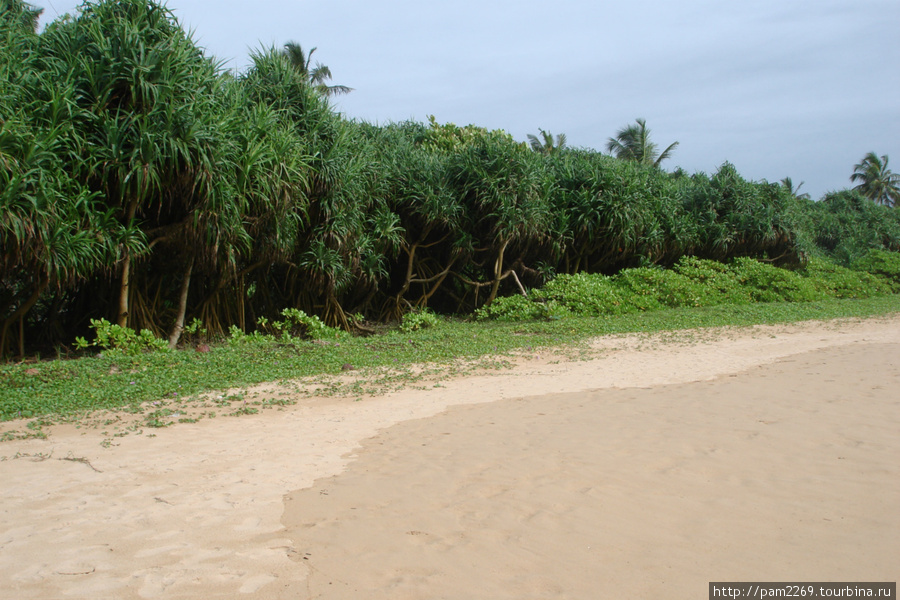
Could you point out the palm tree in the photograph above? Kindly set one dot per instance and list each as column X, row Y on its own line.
column 877, row 182
column 633, row 143
column 788, row 185
column 547, row 145
column 317, row 75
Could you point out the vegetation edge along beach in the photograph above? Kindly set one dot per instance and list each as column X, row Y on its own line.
column 150, row 199
column 125, row 370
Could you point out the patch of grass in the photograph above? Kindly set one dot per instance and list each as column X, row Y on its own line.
column 118, row 381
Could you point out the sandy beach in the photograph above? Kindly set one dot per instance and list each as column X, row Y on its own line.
column 759, row 454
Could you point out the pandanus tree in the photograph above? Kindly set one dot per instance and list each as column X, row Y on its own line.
column 505, row 193
column 263, row 170
column 616, row 213
column 147, row 95
column 845, row 225
column 875, row 181
column 632, row 142
column 336, row 247
column 416, row 188
column 736, row 217
column 20, row 15
column 53, row 231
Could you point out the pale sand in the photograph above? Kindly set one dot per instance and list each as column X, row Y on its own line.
column 782, row 463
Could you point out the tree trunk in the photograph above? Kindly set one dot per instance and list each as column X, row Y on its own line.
column 122, row 315
column 411, row 252
column 182, row 305
column 19, row 314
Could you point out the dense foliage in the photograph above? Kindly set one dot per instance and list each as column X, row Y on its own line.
column 694, row 282
column 143, row 184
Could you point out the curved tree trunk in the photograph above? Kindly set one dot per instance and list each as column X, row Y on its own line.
column 498, row 275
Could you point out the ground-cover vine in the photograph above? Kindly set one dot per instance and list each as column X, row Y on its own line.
column 116, row 380
column 694, row 282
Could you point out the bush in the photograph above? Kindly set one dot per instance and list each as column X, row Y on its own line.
column 840, row 282
column 585, row 294
column 767, row 283
column 718, row 281
column 648, row 288
column 122, row 339
column 416, row 320
column 520, row 308
column 883, row 264
column 297, row 325
column 697, row 282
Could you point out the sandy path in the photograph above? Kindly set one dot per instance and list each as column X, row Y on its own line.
column 196, row 512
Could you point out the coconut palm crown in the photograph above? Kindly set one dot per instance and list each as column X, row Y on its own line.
column 633, row 143
column 546, row 144
column 876, row 181
column 316, row 75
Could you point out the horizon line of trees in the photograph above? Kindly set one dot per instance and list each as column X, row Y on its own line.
column 141, row 183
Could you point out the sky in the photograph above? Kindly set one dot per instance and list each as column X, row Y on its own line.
column 779, row 88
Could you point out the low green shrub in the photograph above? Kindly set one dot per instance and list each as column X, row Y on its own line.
column 836, row 281
column 651, row 288
column 718, row 281
column 296, row 326
column 881, row 263
column 695, row 282
column 768, row 283
column 116, row 338
column 418, row 319
column 520, row 308
column 585, row 294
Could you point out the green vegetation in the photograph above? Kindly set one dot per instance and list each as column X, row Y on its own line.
column 547, row 143
column 317, row 75
column 568, row 310
column 876, row 182
column 694, row 282
column 845, row 226
column 632, row 142
column 143, row 188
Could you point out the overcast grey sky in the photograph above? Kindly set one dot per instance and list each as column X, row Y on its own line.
column 779, row 88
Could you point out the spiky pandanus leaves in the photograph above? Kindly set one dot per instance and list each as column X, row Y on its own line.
column 736, row 217
column 53, row 231
column 147, row 95
column 264, row 175
column 617, row 213
column 412, row 213
column 845, row 225
column 337, row 248
column 20, row 15
column 504, row 191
